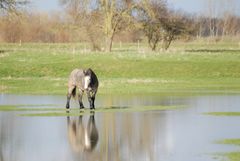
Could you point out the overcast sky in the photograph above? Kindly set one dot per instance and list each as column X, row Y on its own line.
column 191, row 6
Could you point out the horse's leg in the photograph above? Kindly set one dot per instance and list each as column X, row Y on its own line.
column 68, row 100
column 80, row 95
column 91, row 99
column 69, row 94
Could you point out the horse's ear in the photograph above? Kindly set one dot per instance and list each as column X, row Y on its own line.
column 88, row 71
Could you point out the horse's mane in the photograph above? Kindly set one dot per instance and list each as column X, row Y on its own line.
column 89, row 72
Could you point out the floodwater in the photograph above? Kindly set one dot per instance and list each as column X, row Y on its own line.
column 185, row 134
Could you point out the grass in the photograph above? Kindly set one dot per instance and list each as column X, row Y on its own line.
column 44, row 68
column 54, row 111
column 224, row 113
column 232, row 156
column 231, row 142
column 8, row 108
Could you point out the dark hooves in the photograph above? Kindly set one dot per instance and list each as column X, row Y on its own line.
column 82, row 107
column 92, row 111
column 67, row 106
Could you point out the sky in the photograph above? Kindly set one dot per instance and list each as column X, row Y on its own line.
column 45, row 5
column 190, row 6
column 201, row 6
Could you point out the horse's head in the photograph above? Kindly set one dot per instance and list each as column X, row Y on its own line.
column 87, row 77
column 87, row 80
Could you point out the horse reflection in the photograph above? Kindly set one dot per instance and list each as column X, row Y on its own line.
column 81, row 138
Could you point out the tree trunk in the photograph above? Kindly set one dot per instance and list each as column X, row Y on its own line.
column 168, row 42
column 109, row 42
column 154, row 45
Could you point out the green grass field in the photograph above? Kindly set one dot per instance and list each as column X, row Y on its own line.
column 186, row 67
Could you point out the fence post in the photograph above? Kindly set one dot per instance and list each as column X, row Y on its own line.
column 138, row 46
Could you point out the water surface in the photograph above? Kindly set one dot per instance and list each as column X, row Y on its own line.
column 184, row 134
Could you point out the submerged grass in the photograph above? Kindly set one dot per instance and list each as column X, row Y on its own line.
column 232, row 156
column 76, row 112
column 223, row 113
column 230, row 141
column 44, row 68
column 26, row 108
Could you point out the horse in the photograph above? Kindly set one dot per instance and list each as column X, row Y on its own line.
column 86, row 81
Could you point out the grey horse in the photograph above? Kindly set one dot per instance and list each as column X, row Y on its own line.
column 83, row 80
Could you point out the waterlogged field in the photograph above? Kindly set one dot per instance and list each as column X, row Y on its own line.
column 135, row 127
column 176, row 105
column 44, row 68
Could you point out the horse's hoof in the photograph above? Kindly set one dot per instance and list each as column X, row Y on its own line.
column 82, row 107
column 92, row 112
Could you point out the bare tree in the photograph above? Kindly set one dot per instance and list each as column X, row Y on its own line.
column 115, row 16
column 215, row 10
column 87, row 18
column 153, row 34
column 81, row 18
column 175, row 26
column 12, row 5
column 162, row 24
column 151, row 13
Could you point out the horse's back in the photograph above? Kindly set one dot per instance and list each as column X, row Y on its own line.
column 75, row 77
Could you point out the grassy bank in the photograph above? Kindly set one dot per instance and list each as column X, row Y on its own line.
column 44, row 68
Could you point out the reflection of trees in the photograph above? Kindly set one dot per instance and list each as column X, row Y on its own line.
column 1, row 155
column 9, row 137
column 134, row 136
column 1, row 141
column 6, row 130
column 127, row 137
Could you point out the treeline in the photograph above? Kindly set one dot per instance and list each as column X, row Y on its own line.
column 37, row 27
column 228, row 25
column 106, row 21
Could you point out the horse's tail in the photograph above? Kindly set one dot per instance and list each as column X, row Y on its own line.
column 74, row 92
